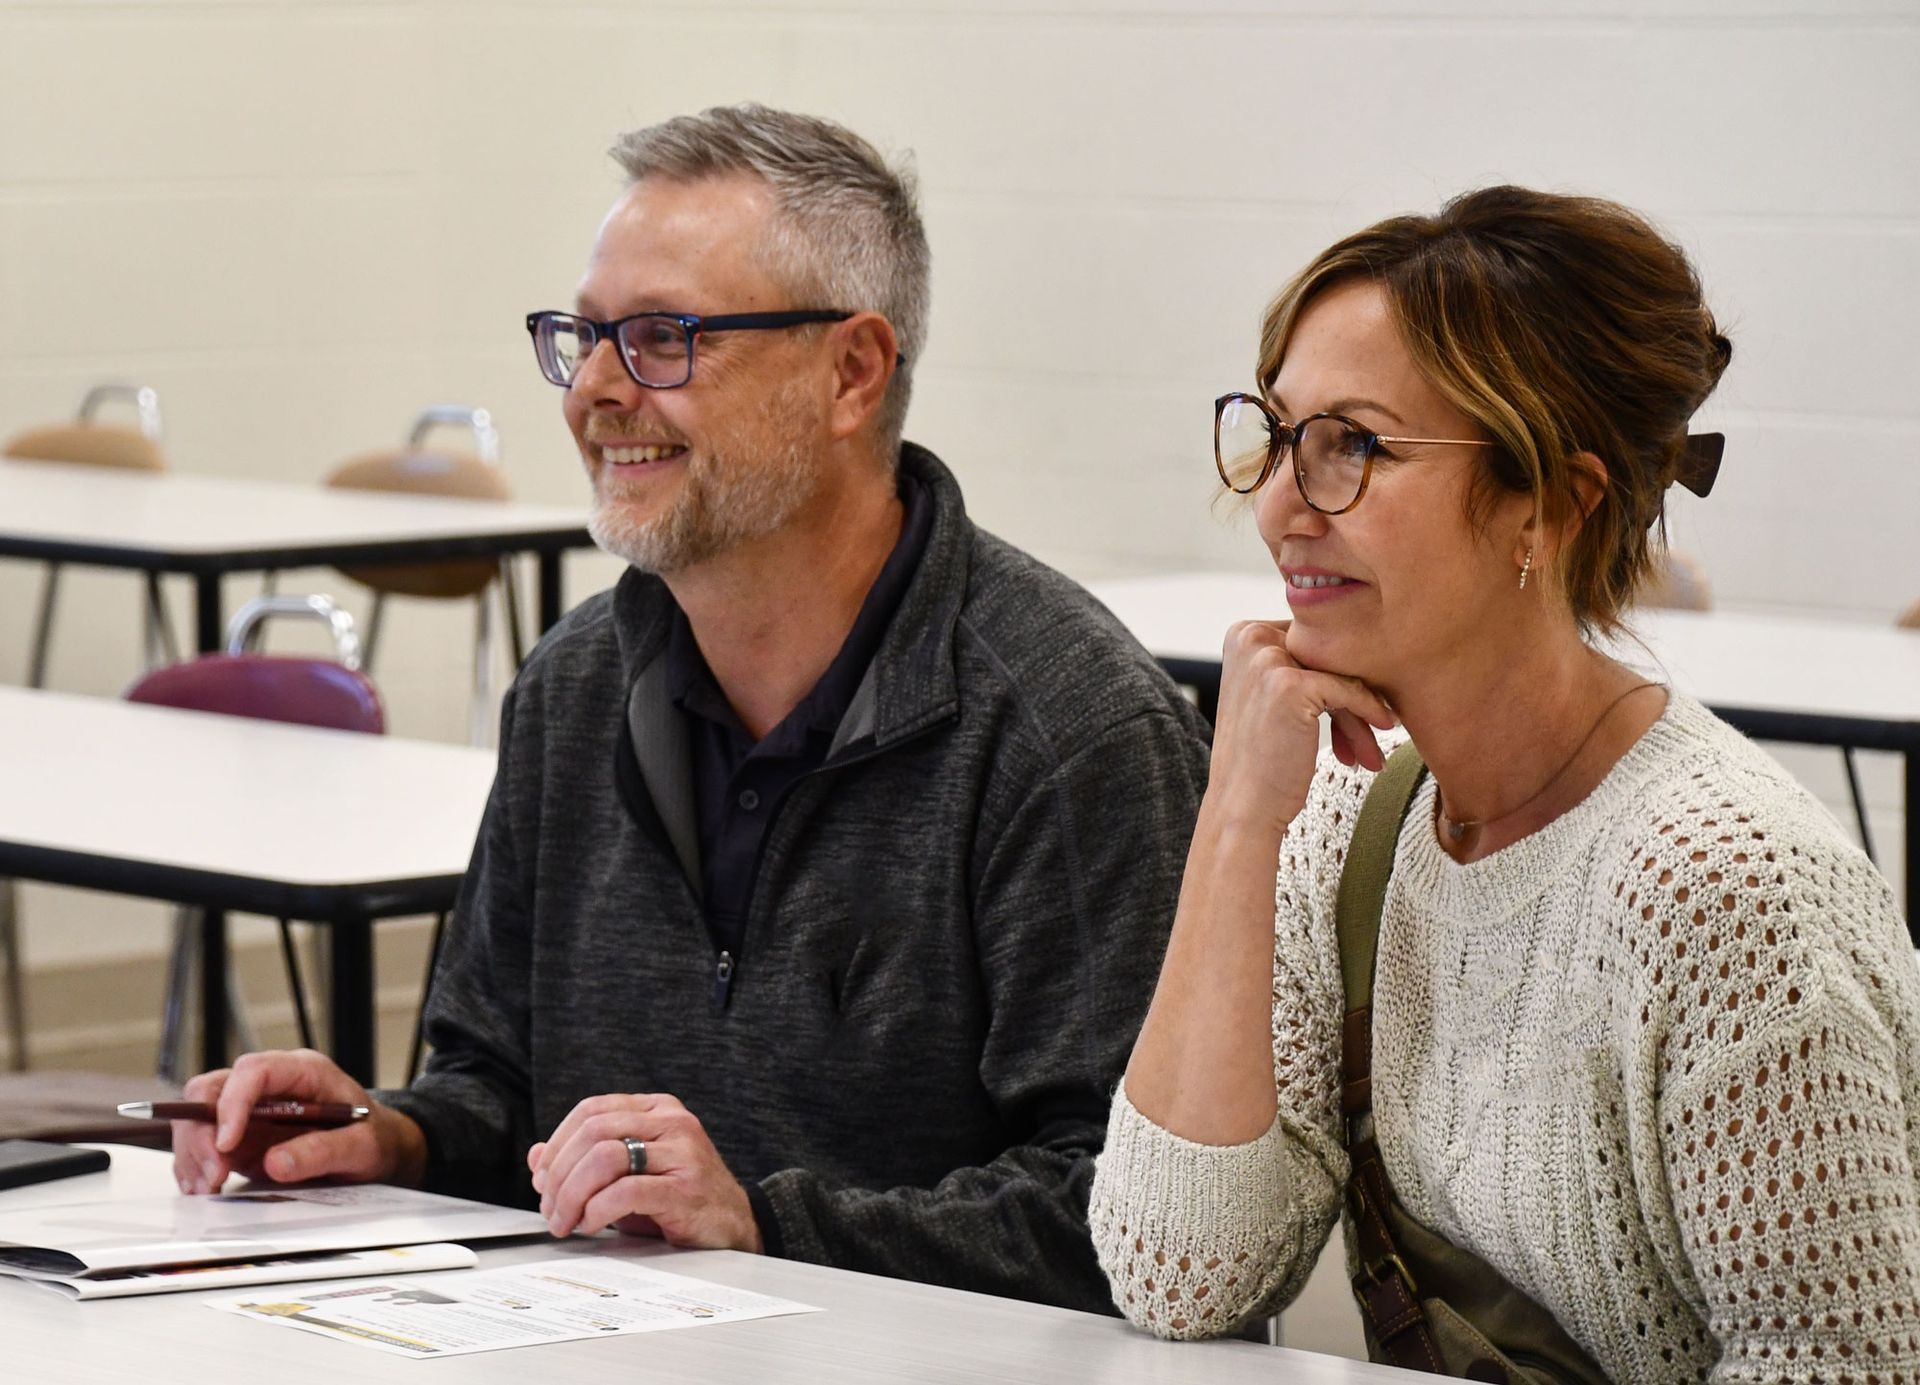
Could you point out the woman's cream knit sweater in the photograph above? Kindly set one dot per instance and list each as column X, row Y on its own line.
column 1656, row 1063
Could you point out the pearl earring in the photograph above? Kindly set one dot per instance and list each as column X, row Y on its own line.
column 1525, row 568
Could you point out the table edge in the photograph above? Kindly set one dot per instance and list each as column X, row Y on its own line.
column 357, row 901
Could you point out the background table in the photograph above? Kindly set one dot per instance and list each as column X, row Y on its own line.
column 1783, row 678
column 230, row 813
column 207, row 526
column 873, row 1330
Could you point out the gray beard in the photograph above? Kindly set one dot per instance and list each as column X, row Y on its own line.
column 724, row 500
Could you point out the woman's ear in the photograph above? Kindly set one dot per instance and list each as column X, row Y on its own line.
column 1543, row 533
column 1589, row 477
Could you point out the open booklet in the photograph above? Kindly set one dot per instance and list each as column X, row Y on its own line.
column 175, row 1279
column 92, row 1240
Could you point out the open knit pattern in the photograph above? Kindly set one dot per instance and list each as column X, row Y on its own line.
column 1656, row 1063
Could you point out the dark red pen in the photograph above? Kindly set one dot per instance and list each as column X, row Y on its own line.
column 319, row 1113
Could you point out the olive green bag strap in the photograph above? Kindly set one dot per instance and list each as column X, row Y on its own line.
column 1397, row 1327
column 1471, row 1321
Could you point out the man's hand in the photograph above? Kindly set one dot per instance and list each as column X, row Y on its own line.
column 387, row 1147
column 686, row 1194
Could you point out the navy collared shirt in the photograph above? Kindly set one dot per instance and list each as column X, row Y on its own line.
column 739, row 782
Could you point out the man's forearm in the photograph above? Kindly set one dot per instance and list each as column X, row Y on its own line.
column 471, row 1140
column 404, row 1144
column 1015, row 1227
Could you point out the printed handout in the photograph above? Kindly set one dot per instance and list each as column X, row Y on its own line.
column 516, row 1305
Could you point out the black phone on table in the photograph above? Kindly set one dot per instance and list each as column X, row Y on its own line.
column 36, row 1161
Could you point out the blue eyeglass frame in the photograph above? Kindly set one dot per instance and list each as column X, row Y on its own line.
column 693, row 323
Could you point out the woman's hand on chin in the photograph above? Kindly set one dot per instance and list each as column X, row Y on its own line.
column 1266, row 735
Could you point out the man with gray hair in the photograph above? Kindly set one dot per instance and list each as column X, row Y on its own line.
column 832, row 853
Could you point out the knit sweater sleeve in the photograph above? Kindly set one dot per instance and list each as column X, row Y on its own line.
column 1778, row 998
column 1198, row 1240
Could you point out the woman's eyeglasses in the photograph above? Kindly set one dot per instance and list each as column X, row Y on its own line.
column 1332, row 454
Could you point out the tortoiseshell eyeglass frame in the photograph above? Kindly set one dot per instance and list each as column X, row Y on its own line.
column 1280, row 438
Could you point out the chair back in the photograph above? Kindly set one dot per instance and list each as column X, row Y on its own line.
column 89, row 444
column 267, row 687
column 66, row 1107
column 98, row 444
column 144, row 398
column 1910, row 618
column 1676, row 582
column 415, row 470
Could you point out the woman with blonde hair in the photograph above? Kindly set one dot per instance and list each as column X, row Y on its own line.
column 1596, row 1026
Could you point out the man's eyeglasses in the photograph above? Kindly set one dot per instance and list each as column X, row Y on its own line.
column 656, row 348
column 1332, row 455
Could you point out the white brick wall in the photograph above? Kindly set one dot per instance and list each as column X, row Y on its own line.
column 301, row 220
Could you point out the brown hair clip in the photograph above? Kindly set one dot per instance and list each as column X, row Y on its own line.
column 1700, row 461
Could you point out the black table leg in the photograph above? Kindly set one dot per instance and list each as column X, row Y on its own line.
column 1911, row 863
column 1203, row 676
column 350, row 1011
column 206, row 612
column 549, row 590
column 214, row 1018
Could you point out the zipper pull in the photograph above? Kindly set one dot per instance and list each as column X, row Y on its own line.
column 723, row 980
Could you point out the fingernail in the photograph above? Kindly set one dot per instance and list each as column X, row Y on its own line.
column 553, row 1225
column 280, row 1164
column 539, row 1180
column 209, row 1174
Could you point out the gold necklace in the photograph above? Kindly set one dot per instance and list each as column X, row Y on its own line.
column 1457, row 828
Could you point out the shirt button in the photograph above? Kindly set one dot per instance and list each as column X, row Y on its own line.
column 749, row 800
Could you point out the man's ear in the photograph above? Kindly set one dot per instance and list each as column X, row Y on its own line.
column 865, row 354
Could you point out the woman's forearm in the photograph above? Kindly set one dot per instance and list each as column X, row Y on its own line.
column 1202, row 1067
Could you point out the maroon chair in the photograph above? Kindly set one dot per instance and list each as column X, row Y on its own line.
column 307, row 692
column 269, row 687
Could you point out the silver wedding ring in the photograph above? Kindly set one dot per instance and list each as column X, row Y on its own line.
column 636, row 1155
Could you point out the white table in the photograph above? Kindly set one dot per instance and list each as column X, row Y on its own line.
column 229, row 813
column 1782, row 678
column 207, row 526
column 872, row 1330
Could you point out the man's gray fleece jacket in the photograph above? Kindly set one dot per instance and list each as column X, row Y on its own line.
column 954, row 933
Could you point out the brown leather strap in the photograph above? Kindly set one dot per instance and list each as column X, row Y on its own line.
column 1384, row 1286
column 1356, row 1061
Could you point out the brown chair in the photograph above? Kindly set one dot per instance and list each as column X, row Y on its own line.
column 471, row 473
column 83, row 442
column 1677, row 582
column 1910, row 618
column 75, row 1106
